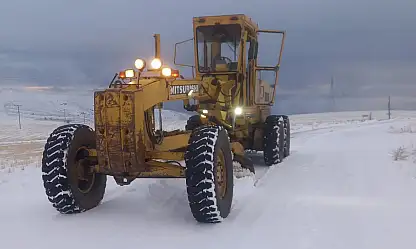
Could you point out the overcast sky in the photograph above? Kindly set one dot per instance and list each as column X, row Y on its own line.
column 368, row 45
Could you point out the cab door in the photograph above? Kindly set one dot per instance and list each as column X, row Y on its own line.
column 267, row 74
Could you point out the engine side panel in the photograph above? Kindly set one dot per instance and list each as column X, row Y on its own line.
column 115, row 131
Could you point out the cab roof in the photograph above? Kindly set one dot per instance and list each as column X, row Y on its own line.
column 241, row 19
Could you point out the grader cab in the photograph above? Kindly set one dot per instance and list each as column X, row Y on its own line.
column 233, row 115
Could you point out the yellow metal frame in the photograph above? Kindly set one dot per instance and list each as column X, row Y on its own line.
column 127, row 143
column 123, row 141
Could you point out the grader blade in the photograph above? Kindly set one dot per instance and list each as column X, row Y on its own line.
column 242, row 166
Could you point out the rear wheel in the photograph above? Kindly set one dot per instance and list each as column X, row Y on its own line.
column 193, row 122
column 286, row 140
column 273, row 140
column 209, row 174
column 69, row 182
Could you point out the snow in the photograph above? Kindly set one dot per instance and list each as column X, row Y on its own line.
column 349, row 183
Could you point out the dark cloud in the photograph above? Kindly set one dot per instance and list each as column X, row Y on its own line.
column 366, row 46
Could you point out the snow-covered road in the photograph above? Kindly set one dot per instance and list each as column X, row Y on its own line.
column 340, row 188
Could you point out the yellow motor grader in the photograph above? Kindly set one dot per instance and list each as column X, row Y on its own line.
column 128, row 142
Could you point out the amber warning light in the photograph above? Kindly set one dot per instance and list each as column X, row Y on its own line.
column 175, row 73
column 122, row 74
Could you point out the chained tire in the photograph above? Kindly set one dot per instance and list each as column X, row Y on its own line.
column 273, row 140
column 62, row 169
column 193, row 122
column 209, row 174
column 286, row 140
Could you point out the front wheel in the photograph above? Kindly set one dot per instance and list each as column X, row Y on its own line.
column 70, row 184
column 209, row 174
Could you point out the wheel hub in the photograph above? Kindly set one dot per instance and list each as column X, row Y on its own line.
column 221, row 174
column 85, row 176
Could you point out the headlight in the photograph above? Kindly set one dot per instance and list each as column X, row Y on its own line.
column 238, row 111
column 140, row 64
column 156, row 63
column 167, row 72
column 129, row 73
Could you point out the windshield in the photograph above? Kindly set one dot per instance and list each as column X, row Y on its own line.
column 218, row 48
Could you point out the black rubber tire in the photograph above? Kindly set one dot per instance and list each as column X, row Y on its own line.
column 193, row 122
column 202, row 188
column 59, row 172
column 286, row 140
column 273, row 140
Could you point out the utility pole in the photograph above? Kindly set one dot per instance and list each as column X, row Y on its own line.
column 389, row 108
column 64, row 104
column 18, row 111
column 333, row 93
column 83, row 113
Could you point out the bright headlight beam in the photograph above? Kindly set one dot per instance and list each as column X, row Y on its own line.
column 167, row 72
column 156, row 63
column 129, row 73
column 139, row 64
column 238, row 111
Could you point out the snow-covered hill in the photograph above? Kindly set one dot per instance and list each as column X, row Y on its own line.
column 58, row 104
column 42, row 109
column 349, row 183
